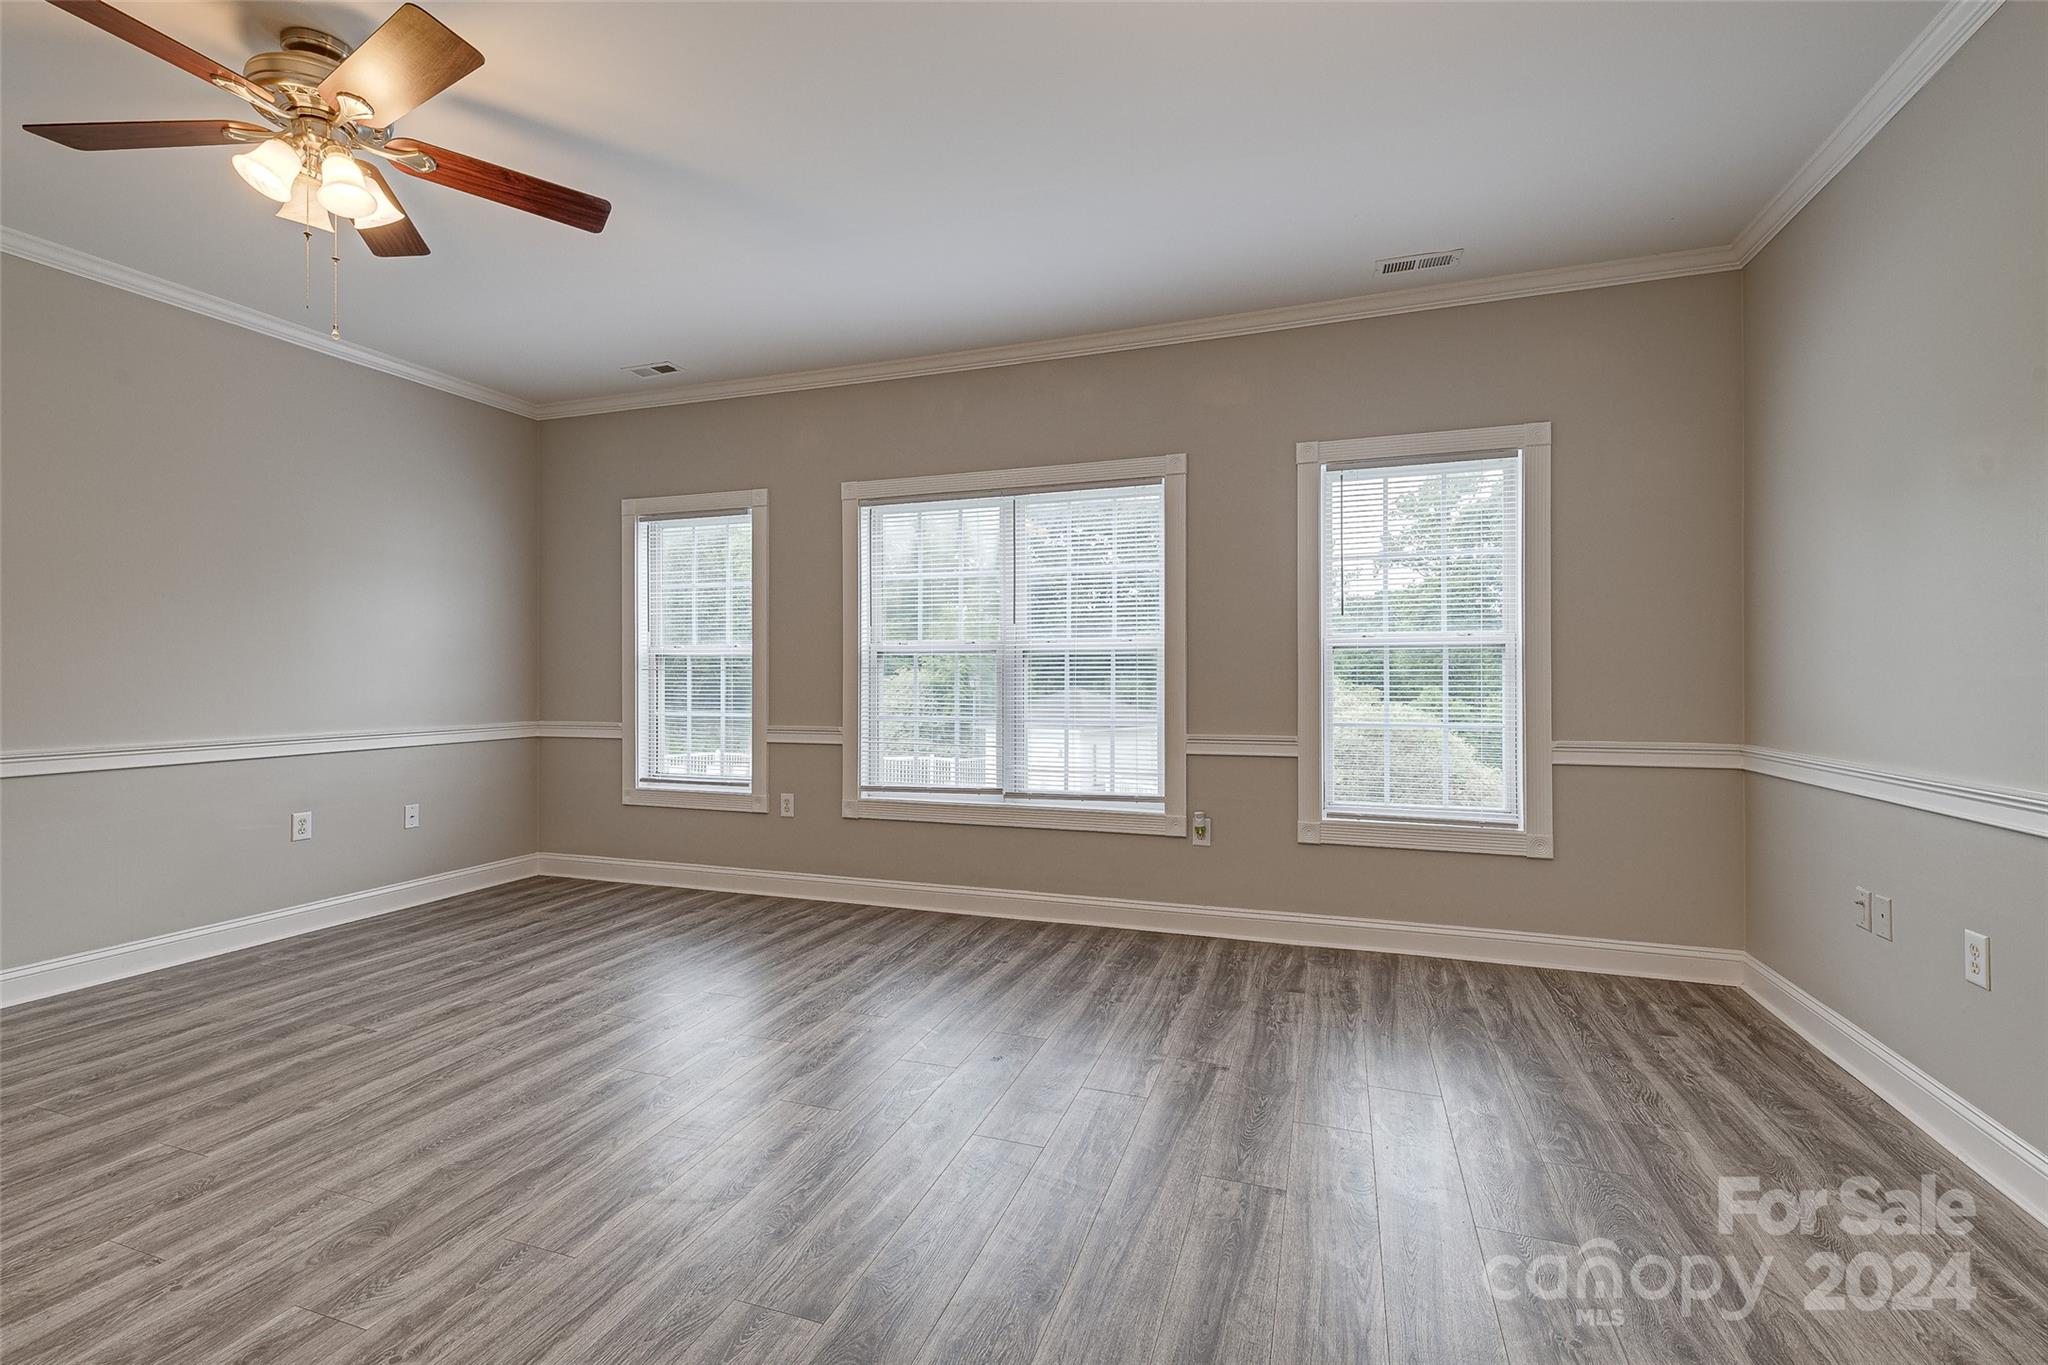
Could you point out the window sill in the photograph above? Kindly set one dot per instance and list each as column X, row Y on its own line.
column 1020, row 814
column 696, row 798
column 1441, row 838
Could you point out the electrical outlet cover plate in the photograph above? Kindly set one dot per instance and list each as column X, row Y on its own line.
column 412, row 815
column 1976, row 959
column 302, row 825
column 789, row 803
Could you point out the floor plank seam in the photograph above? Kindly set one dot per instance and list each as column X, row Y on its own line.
column 536, row 1246
column 340, row 1322
column 1472, row 1218
column 779, row 1312
column 138, row 1251
column 1399, row 1090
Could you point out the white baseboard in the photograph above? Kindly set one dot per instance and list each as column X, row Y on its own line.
column 1722, row 966
column 2004, row 1158
column 1981, row 1142
column 79, row 970
column 1995, row 1152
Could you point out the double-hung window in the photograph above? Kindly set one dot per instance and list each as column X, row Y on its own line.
column 1014, row 650
column 695, row 674
column 1425, row 686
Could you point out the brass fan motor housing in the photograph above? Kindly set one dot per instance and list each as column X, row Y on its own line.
column 308, row 57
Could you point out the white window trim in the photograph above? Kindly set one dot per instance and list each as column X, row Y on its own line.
column 1533, row 839
column 1171, row 470
column 634, row 791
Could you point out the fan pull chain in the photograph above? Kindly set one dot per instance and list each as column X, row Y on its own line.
column 334, row 331
column 309, row 267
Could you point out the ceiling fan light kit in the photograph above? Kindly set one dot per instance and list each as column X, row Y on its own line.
column 270, row 168
column 386, row 211
column 329, row 108
column 302, row 206
column 344, row 192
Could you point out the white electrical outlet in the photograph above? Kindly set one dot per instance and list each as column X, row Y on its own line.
column 1976, row 959
column 302, row 825
column 1881, row 915
column 1862, row 908
column 412, row 815
column 1200, row 827
column 789, row 803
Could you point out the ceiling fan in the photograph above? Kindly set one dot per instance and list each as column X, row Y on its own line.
column 327, row 111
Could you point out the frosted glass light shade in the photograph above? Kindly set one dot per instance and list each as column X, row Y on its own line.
column 304, row 206
column 269, row 167
column 387, row 211
column 343, row 190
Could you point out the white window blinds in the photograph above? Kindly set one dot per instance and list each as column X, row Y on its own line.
column 1013, row 646
column 1421, row 640
column 696, row 658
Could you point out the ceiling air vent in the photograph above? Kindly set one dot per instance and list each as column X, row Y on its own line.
column 1428, row 260
column 653, row 370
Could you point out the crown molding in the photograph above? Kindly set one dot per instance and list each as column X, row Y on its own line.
column 1496, row 289
column 1927, row 54
column 1939, row 41
column 87, row 266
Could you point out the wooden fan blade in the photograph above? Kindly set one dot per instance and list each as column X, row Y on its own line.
column 393, row 239
column 512, row 188
column 115, row 137
column 130, row 30
column 411, row 58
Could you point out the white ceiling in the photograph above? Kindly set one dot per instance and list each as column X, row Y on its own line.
column 798, row 186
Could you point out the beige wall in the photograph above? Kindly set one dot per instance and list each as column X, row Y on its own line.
column 1897, row 373
column 188, row 553
column 1643, row 387
column 96, row 859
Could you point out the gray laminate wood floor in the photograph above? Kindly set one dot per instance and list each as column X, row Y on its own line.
column 569, row 1122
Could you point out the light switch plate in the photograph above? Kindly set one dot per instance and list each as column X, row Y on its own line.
column 1862, row 908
